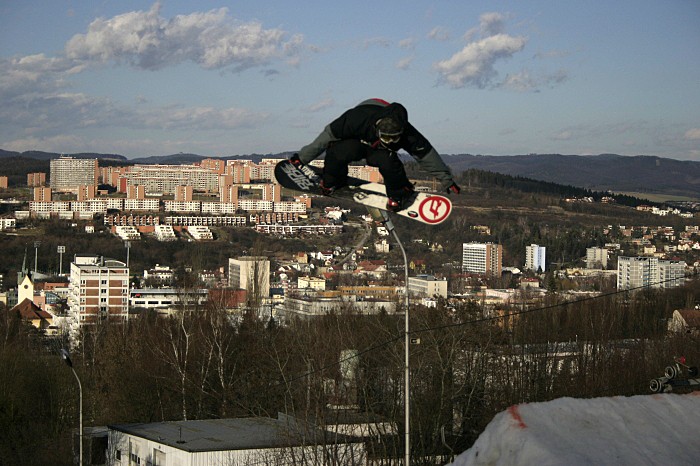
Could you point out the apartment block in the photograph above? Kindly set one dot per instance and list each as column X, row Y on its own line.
column 67, row 173
column 136, row 192
column 596, row 258
column 216, row 165
column 649, row 272
column 86, row 192
column 36, row 179
column 427, row 286
column 535, row 256
column 3, row 182
column 98, row 291
column 184, row 193
column 42, row 194
column 164, row 179
column 250, row 273
column 482, row 258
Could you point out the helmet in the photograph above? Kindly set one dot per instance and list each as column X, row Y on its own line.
column 389, row 130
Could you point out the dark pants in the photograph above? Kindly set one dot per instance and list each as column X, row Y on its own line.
column 340, row 154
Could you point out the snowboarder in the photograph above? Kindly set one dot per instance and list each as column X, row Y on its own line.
column 375, row 130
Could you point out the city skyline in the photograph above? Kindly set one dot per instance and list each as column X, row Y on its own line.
column 218, row 79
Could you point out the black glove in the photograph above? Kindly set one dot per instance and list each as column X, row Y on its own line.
column 296, row 161
column 453, row 188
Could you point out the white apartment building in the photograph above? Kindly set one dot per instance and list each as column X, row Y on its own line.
column 165, row 233
column 596, row 258
column 290, row 207
column 642, row 272
column 98, row 290
column 535, row 258
column 67, row 173
column 164, row 179
column 146, row 205
column 218, row 208
column 91, row 205
column 255, row 205
column 233, row 221
column 167, row 300
column 311, row 282
column 322, row 305
column 427, row 286
column 482, row 258
column 183, row 206
column 49, row 207
column 127, row 232
column 250, row 273
column 200, row 232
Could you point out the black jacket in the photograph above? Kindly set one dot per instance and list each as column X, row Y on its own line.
column 360, row 123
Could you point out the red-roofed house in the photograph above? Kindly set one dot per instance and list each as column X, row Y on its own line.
column 30, row 312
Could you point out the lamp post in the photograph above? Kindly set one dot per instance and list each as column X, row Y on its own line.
column 407, row 340
column 127, row 245
column 61, row 250
column 66, row 358
column 36, row 254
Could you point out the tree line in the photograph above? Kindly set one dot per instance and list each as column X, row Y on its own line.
column 466, row 366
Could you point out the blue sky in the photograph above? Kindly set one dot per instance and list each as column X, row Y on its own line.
column 221, row 78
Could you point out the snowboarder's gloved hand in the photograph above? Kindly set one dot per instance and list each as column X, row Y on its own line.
column 296, row 161
column 453, row 188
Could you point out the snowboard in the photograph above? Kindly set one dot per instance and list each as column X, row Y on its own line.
column 428, row 208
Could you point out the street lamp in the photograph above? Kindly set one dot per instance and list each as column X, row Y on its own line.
column 66, row 358
column 61, row 250
column 127, row 245
column 36, row 254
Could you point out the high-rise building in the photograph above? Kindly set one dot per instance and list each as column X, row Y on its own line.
column 535, row 258
column 184, row 193
column 136, row 192
column 596, row 258
column 483, row 258
column 98, row 291
column 36, row 179
column 42, row 194
column 86, row 192
column 67, row 173
column 251, row 273
column 642, row 272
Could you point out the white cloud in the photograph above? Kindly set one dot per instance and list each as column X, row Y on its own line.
column 376, row 41
column 524, row 81
column 408, row 43
column 318, row 106
column 474, row 64
column 405, row 63
column 439, row 33
column 692, row 134
column 212, row 39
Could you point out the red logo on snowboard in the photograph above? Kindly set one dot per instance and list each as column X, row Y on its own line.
column 434, row 209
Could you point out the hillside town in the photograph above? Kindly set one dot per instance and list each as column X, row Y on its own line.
column 64, row 303
column 182, row 203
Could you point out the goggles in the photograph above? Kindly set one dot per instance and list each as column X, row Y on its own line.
column 387, row 138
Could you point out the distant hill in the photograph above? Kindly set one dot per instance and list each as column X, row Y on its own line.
column 605, row 172
column 39, row 155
